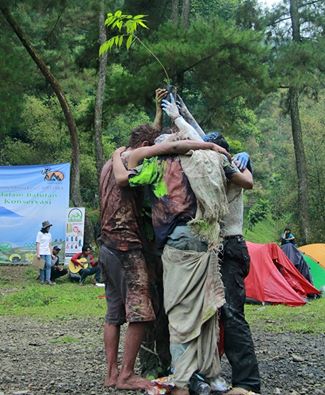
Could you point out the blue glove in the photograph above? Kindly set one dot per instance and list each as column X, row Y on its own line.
column 241, row 159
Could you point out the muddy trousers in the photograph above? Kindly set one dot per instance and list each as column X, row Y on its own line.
column 238, row 343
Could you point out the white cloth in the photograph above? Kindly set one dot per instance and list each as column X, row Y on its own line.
column 44, row 240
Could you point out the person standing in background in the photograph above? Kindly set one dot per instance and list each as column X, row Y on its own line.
column 287, row 237
column 43, row 251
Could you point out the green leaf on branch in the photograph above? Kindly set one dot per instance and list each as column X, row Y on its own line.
column 141, row 23
column 129, row 42
column 139, row 17
column 127, row 25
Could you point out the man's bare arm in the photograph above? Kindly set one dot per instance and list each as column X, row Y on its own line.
column 173, row 148
column 120, row 173
column 160, row 94
column 243, row 179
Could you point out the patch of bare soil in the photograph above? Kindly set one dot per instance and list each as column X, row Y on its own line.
column 67, row 357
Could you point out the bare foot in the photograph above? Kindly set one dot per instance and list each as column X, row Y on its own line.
column 180, row 391
column 111, row 379
column 133, row 382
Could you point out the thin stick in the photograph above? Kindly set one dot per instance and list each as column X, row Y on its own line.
column 151, row 53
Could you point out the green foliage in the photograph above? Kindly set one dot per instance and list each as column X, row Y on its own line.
column 257, row 213
column 225, row 9
column 265, row 231
column 203, row 56
column 118, row 131
column 127, row 25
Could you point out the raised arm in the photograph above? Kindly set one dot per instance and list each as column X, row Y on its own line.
column 160, row 94
column 184, row 111
column 172, row 111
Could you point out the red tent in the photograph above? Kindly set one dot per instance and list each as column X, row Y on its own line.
column 273, row 278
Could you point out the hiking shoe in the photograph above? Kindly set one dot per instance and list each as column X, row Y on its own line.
column 198, row 385
column 50, row 282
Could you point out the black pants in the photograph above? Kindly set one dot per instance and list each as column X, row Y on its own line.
column 156, row 336
column 239, row 347
column 56, row 273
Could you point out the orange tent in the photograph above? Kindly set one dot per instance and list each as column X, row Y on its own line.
column 315, row 251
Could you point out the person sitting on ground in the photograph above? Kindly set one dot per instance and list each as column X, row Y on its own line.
column 287, row 237
column 57, row 270
column 87, row 268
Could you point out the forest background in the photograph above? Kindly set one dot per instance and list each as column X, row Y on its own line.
column 255, row 74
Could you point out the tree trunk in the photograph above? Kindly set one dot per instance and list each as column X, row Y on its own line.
column 175, row 12
column 300, row 163
column 295, row 22
column 75, row 160
column 186, row 13
column 300, row 156
column 100, row 95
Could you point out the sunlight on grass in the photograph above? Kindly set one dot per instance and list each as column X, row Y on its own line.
column 280, row 318
column 63, row 300
column 263, row 232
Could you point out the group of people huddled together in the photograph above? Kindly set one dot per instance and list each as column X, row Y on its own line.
column 173, row 257
column 83, row 263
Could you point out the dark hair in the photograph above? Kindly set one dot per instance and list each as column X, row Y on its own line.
column 143, row 133
column 217, row 138
column 86, row 247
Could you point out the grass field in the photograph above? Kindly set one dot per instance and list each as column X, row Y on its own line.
column 21, row 295
column 263, row 232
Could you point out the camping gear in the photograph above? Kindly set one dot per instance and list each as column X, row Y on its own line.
column 317, row 272
column 316, row 251
column 38, row 263
column 296, row 257
column 274, row 279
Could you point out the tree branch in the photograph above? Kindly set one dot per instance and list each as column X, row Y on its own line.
column 55, row 24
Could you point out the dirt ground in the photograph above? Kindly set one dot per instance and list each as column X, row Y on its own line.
column 60, row 357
